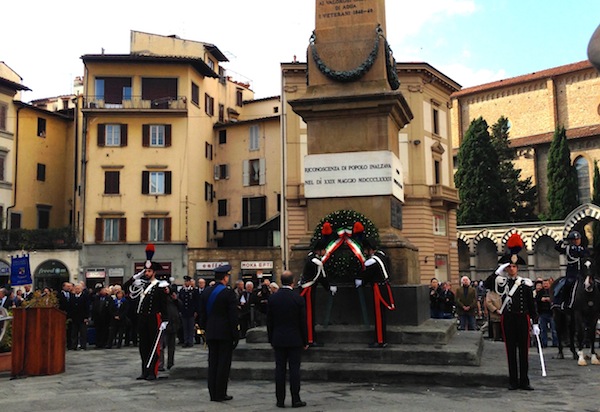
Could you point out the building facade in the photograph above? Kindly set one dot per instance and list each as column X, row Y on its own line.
column 535, row 105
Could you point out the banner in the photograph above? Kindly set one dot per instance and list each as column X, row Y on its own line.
column 20, row 273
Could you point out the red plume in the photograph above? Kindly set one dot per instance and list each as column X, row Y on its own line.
column 326, row 229
column 358, row 228
column 149, row 251
column 514, row 243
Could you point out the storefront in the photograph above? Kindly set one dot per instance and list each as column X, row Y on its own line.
column 95, row 276
column 206, row 270
column 4, row 273
column 257, row 271
column 52, row 274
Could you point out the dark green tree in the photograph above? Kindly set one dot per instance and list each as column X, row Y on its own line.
column 482, row 193
column 522, row 195
column 562, row 178
column 596, row 201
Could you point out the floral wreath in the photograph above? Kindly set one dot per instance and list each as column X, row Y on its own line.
column 342, row 234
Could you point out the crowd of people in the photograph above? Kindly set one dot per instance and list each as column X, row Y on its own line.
column 477, row 308
column 106, row 316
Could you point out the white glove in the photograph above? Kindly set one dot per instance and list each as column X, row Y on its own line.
column 536, row 329
column 333, row 290
column 163, row 325
column 139, row 274
column 501, row 268
column 358, row 282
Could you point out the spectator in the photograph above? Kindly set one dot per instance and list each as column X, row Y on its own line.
column 262, row 299
column 466, row 304
column 493, row 303
column 201, row 285
column 118, row 311
column 274, row 287
column 101, row 317
column 169, row 335
column 447, row 301
column 78, row 312
column 246, row 309
column 543, row 300
column 481, row 293
column 27, row 294
column 239, row 288
column 18, row 298
column 435, row 304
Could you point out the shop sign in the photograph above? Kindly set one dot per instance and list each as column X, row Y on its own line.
column 257, row 264
column 209, row 265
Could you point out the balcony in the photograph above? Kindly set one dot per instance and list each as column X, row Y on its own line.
column 443, row 196
column 136, row 104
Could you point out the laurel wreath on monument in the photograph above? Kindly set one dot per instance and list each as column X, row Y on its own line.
column 345, row 76
column 341, row 234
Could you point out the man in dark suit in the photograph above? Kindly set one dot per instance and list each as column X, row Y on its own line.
column 219, row 319
column 79, row 312
column 287, row 330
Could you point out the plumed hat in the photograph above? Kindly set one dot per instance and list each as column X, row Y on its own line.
column 326, row 232
column 149, row 254
column 515, row 245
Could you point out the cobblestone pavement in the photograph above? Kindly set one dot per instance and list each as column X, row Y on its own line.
column 104, row 380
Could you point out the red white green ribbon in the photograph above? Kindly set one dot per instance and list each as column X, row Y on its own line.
column 344, row 237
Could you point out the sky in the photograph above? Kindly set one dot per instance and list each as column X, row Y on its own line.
column 471, row 41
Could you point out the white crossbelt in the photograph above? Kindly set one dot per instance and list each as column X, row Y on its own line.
column 510, row 293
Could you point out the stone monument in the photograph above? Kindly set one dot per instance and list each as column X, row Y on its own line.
column 353, row 113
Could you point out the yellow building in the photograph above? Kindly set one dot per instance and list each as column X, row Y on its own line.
column 148, row 140
column 425, row 147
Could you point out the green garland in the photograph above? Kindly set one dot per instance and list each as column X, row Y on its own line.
column 345, row 76
column 343, row 265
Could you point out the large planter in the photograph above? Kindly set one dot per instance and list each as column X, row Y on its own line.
column 38, row 341
column 5, row 361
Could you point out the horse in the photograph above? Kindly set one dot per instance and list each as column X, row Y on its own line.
column 579, row 320
column 586, row 311
column 565, row 326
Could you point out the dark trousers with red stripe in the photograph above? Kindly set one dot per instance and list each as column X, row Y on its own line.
column 380, row 311
column 310, row 295
column 515, row 328
column 148, row 332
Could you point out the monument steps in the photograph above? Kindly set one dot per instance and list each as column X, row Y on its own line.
column 461, row 361
column 465, row 351
column 430, row 332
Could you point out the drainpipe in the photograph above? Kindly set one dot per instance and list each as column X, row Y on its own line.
column 284, row 204
column 15, row 176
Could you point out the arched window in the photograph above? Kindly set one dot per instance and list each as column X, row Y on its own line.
column 583, row 179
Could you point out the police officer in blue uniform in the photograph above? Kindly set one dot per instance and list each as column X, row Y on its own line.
column 219, row 318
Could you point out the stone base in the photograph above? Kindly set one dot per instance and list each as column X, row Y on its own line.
column 345, row 308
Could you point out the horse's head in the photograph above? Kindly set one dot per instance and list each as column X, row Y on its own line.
column 588, row 274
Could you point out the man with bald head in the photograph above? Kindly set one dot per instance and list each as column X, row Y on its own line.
column 466, row 304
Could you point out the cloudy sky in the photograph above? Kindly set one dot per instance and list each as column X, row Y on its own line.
column 471, row 41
